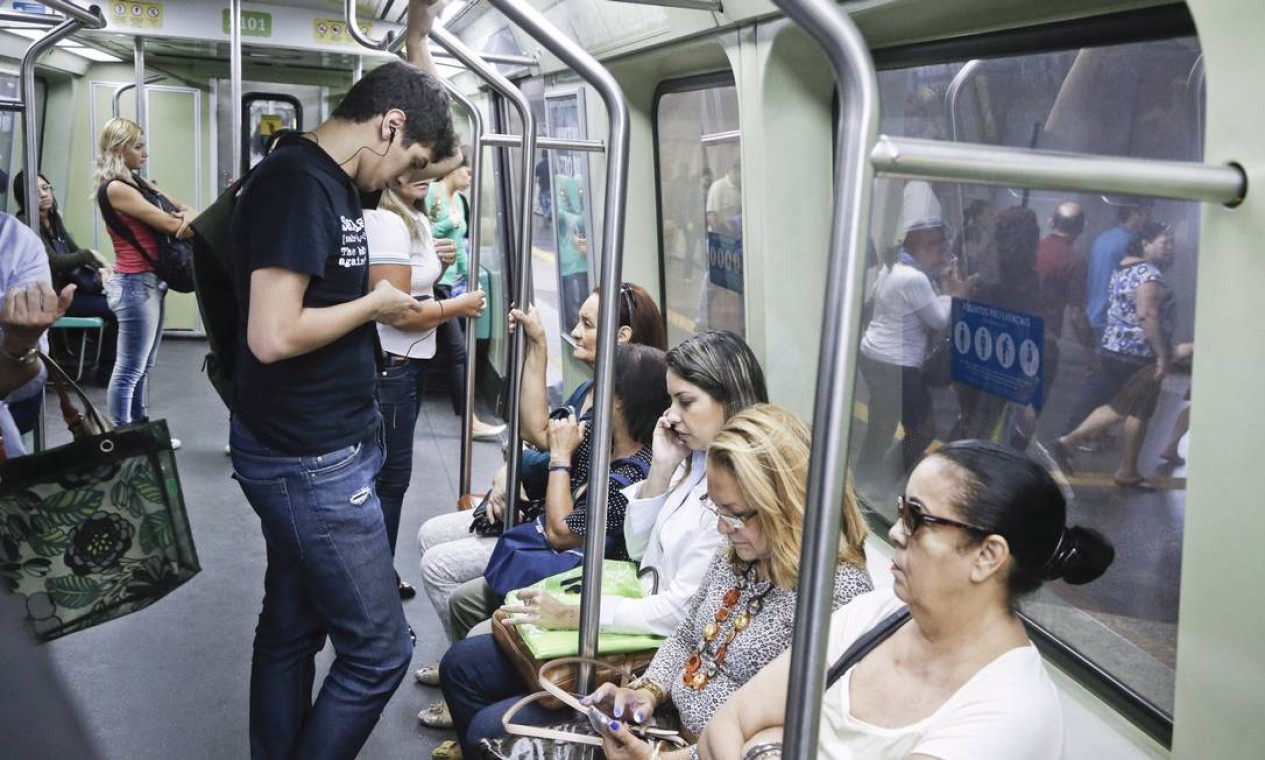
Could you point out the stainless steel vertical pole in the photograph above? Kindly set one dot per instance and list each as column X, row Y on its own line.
column 832, row 410
column 235, row 84
column 476, row 173
column 30, row 136
column 142, row 107
column 521, row 292
column 570, row 53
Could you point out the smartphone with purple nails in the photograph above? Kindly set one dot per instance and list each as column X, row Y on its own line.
column 601, row 721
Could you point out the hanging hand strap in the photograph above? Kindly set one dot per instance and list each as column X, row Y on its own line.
column 866, row 644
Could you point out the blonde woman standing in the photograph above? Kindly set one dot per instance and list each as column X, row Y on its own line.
column 134, row 294
column 403, row 251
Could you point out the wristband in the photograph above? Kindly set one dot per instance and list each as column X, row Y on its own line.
column 442, row 315
column 764, row 750
column 560, row 468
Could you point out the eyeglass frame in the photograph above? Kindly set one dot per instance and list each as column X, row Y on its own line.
column 922, row 517
column 733, row 521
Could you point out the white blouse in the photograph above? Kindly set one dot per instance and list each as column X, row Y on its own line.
column 676, row 536
column 390, row 243
column 1008, row 710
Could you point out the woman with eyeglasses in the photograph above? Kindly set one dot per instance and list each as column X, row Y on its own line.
column 668, row 523
column 743, row 614
column 954, row 675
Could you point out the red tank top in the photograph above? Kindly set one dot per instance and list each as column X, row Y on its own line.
column 127, row 259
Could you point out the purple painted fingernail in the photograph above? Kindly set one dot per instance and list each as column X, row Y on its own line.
column 638, row 716
column 614, row 725
column 619, row 712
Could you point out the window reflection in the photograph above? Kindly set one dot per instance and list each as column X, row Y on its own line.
column 700, row 195
column 1104, row 285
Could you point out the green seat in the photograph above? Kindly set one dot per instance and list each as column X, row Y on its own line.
column 84, row 324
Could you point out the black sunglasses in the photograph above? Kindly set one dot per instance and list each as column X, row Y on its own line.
column 914, row 515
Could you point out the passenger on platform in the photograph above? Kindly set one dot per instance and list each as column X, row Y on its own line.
column 1063, row 273
column 452, row 556
column 1104, row 256
column 28, row 307
column 711, row 377
column 84, row 267
column 1135, row 356
column 306, row 432
column 135, row 293
column 907, row 312
column 743, row 614
column 980, row 527
column 448, row 209
column 403, row 252
column 724, row 202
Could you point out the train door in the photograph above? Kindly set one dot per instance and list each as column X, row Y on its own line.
column 177, row 141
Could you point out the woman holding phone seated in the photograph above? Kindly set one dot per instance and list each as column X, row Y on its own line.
column 740, row 617
column 980, row 527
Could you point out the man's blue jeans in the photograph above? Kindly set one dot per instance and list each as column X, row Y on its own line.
column 400, row 399
column 329, row 573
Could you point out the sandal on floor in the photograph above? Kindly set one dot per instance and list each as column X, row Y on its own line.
column 435, row 716
column 1061, row 455
column 1141, row 484
column 428, row 676
column 448, row 750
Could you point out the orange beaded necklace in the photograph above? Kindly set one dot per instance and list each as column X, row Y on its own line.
column 708, row 655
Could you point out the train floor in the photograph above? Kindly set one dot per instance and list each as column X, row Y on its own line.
column 172, row 680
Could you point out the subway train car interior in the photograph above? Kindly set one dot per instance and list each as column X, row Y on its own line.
column 757, row 166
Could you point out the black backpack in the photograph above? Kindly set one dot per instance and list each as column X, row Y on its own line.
column 174, row 262
column 215, row 280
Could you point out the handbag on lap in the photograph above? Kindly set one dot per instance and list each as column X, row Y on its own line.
column 531, row 647
column 95, row 529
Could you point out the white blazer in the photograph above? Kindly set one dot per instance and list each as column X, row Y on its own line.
column 676, row 536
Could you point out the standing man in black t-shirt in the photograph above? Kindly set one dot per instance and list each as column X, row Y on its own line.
column 306, row 436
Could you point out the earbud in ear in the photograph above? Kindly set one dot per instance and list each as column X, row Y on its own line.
column 392, row 136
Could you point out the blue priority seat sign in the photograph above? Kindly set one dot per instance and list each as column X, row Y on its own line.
column 998, row 351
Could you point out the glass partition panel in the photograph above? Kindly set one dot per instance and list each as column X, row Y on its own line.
column 1057, row 323
column 700, row 207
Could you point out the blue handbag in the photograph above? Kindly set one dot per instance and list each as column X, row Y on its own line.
column 523, row 555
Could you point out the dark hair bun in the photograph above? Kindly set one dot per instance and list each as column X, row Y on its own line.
column 1084, row 554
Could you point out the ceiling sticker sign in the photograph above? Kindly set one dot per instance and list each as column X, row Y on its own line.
column 136, row 15
column 333, row 31
column 998, row 351
column 270, row 124
column 254, row 23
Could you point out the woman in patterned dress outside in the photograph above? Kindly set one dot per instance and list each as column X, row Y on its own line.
column 1136, row 352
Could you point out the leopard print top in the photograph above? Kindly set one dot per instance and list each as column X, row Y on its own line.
column 768, row 635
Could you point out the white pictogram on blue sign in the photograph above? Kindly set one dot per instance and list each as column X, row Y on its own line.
column 985, row 354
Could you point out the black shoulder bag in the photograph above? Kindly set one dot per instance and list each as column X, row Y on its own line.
column 866, row 644
column 174, row 264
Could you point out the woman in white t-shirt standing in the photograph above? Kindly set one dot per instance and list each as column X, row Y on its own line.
column 954, row 676
column 403, row 251
column 908, row 310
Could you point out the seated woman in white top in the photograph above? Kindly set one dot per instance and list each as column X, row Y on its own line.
column 711, row 377
column 981, row 525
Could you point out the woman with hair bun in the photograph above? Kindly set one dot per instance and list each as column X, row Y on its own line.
column 980, row 527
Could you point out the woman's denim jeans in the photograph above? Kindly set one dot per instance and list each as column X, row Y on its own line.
column 400, row 399
column 137, row 300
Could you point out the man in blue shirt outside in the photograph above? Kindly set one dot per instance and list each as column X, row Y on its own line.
column 1104, row 255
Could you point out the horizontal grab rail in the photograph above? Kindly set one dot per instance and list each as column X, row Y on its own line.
column 38, row 19
column 911, row 158
column 514, row 141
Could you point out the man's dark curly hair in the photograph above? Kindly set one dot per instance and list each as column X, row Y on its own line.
column 423, row 99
